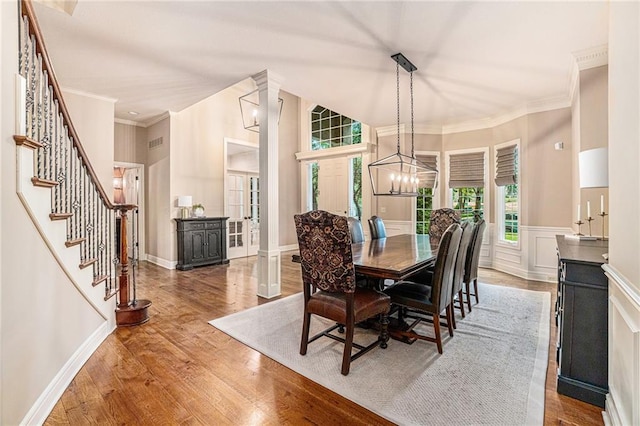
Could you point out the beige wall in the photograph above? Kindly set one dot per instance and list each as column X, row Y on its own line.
column 161, row 207
column 131, row 144
column 289, row 179
column 92, row 118
column 34, row 347
column 546, row 173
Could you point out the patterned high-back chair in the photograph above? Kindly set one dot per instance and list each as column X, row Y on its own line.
column 440, row 220
column 329, row 284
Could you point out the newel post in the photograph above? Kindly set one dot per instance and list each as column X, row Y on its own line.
column 129, row 311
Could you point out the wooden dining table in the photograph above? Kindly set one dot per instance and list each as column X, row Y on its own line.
column 396, row 257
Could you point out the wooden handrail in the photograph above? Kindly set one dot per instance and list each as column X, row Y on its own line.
column 34, row 30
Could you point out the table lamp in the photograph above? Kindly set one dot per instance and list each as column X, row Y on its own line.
column 185, row 202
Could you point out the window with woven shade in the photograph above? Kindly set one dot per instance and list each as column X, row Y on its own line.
column 507, row 191
column 426, row 193
column 467, row 183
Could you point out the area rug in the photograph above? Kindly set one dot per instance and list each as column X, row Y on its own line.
column 491, row 372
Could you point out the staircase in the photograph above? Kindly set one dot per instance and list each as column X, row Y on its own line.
column 61, row 192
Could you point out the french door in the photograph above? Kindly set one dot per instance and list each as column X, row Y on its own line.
column 243, row 197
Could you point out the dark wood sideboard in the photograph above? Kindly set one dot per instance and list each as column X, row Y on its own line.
column 201, row 241
column 582, row 319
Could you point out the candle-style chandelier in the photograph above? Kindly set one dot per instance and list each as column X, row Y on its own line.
column 398, row 174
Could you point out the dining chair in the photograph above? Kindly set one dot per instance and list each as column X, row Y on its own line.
column 377, row 228
column 418, row 301
column 473, row 258
column 327, row 265
column 355, row 228
column 458, row 274
column 440, row 221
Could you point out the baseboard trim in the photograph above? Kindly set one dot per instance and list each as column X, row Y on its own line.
column 166, row 264
column 610, row 416
column 523, row 273
column 53, row 392
column 289, row 247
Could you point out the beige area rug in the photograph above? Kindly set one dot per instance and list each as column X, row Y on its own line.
column 492, row 371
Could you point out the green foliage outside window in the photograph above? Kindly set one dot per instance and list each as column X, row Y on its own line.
column 424, row 206
column 469, row 203
column 511, row 212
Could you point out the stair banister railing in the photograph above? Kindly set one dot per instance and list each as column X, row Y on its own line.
column 62, row 164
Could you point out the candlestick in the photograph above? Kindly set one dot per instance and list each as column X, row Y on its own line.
column 603, row 214
column 579, row 223
column 578, row 211
column 588, row 209
column 589, row 219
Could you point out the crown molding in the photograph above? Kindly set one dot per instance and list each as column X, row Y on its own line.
column 88, row 94
column 592, row 57
column 129, row 122
column 389, row 130
column 158, row 118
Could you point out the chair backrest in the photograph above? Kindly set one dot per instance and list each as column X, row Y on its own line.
column 461, row 257
column 325, row 252
column 355, row 228
column 376, row 226
column 440, row 221
column 473, row 252
column 444, row 267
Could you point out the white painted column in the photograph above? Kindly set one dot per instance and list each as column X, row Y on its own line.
column 269, row 252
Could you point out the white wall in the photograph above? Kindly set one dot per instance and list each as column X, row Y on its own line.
column 44, row 320
column 92, row 117
column 623, row 270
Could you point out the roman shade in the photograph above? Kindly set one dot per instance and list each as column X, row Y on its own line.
column 506, row 170
column 430, row 178
column 466, row 170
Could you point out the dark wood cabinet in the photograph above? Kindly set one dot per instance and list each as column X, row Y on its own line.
column 581, row 316
column 201, row 241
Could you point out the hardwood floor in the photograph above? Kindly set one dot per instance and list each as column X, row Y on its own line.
column 177, row 369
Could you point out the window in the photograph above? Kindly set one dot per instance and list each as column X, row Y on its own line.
column 330, row 129
column 314, row 168
column 467, row 183
column 355, row 204
column 426, row 193
column 507, row 194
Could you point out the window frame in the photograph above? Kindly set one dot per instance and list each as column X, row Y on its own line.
column 500, row 224
column 435, row 201
column 486, row 211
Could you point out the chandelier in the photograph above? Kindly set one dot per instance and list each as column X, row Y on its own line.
column 249, row 105
column 398, row 174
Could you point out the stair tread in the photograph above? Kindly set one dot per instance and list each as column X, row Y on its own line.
column 88, row 262
column 28, row 142
column 44, row 183
column 75, row 242
column 60, row 216
column 112, row 293
column 100, row 278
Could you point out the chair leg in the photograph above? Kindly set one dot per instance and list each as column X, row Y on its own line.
column 348, row 343
column 468, row 286
column 384, row 330
column 475, row 288
column 461, row 300
column 453, row 315
column 449, row 310
column 436, row 330
column 305, row 333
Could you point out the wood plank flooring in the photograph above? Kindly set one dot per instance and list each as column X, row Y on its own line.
column 177, row 369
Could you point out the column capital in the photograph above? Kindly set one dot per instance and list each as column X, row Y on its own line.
column 268, row 79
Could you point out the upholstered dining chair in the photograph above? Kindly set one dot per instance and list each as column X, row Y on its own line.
column 440, row 221
column 377, row 228
column 458, row 274
column 327, row 266
column 421, row 300
column 473, row 258
column 355, row 228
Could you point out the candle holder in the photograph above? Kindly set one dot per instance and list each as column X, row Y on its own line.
column 579, row 223
column 589, row 219
column 602, row 215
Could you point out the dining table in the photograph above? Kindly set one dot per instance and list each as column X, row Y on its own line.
column 396, row 257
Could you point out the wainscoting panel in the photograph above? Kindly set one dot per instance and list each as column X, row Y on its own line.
column 623, row 401
column 393, row 227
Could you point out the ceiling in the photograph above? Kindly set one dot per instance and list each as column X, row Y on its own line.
column 475, row 60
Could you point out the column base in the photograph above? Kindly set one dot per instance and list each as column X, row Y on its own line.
column 135, row 314
column 269, row 273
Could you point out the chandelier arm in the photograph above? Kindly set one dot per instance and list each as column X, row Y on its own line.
column 411, row 91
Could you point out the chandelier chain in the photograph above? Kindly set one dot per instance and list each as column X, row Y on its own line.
column 411, row 91
column 398, row 105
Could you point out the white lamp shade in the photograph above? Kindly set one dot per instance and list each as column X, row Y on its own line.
column 185, row 201
column 594, row 168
